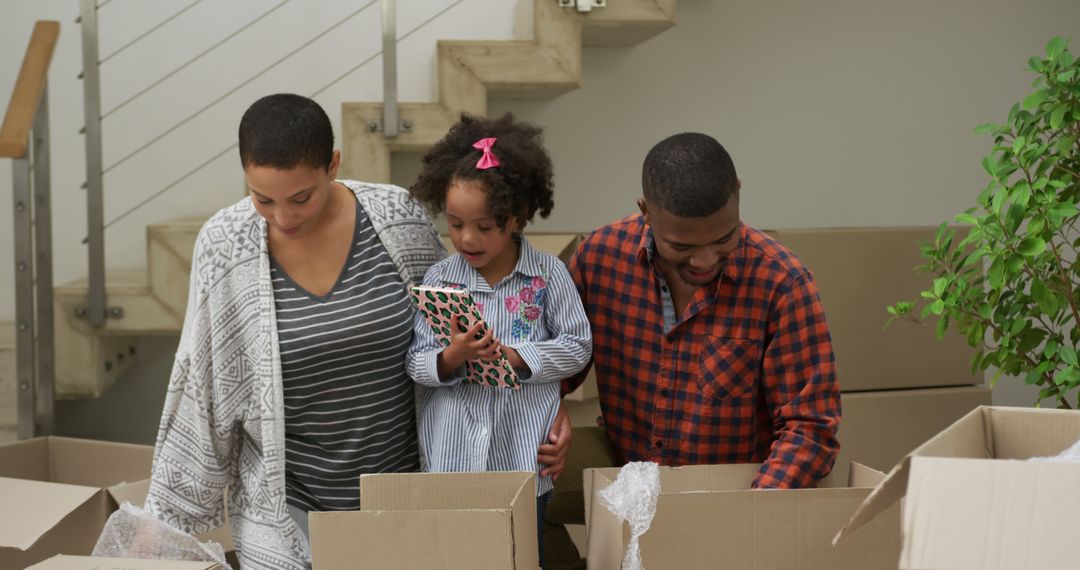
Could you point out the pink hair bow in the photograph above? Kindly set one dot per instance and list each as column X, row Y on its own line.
column 489, row 160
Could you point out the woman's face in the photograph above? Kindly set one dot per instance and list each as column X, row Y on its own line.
column 291, row 201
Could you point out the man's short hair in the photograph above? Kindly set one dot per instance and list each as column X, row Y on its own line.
column 689, row 175
column 286, row 131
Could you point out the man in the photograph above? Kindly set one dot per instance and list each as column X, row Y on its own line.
column 709, row 338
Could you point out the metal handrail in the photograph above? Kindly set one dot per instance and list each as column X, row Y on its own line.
column 197, row 57
column 153, row 196
column 147, row 33
column 24, row 138
column 389, row 66
column 243, row 84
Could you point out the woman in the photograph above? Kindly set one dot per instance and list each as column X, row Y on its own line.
column 289, row 378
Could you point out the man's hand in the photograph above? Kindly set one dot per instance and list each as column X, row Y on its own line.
column 553, row 453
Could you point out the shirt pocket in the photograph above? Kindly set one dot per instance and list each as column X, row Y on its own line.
column 729, row 367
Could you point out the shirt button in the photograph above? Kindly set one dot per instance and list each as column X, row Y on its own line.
column 663, row 288
column 659, row 443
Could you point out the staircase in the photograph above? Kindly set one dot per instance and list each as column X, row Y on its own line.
column 547, row 66
column 90, row 360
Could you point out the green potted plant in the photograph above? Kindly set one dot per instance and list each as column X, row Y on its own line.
column 1008, row 278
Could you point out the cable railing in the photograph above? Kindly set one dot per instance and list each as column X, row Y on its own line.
column 96, row 310
column 24, row 138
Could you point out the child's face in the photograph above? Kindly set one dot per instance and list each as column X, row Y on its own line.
column 474, row 232
column 292, row 201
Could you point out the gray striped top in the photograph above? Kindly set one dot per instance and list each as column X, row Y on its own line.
column 349, row 407
column 537, row 311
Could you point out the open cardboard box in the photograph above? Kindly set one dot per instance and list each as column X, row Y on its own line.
column 880, row 428
column 58, row 492
column 435, row 521
column 969, row 506
column 63, row 562
column 707, row 517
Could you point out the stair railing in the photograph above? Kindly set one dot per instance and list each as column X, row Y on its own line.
column 24, row 138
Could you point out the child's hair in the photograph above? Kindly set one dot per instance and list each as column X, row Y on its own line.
column 286, row 131
column 518, row 188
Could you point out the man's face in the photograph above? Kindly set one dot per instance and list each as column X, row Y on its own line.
column 694, row 247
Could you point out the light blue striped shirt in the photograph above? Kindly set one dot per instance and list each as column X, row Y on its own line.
column 535, row 310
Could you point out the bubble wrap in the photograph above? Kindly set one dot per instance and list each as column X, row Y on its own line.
column 1071, row 455
column 132, row 532
column 632, row 498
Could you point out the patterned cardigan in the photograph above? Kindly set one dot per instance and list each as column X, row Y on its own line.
column 223, row 423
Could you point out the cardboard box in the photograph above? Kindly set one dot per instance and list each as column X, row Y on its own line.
column 561, row 245
column 433, row 521
column 707, row 517
column 62, row 562
column 968, row 507
column 859, row 272
column 879, row 428
column 58, row 492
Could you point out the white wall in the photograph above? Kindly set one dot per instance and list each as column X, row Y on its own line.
column 352, row 48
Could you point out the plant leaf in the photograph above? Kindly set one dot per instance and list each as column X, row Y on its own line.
column 1058, row 116
column 1018, row 144
column 1055, row 46
column 1068, row 354
column 1031, row 246
column 1043, row 297
column 1034, row 100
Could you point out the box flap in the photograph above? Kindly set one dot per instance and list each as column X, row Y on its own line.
column 98, row 463
column 27, row 459
column 862, row 476
column 604, row 532
column 523, row 518
column 965, row 438
column 134, row 493
column 433, row 540
column 33, row 508
column 423, row 491
column 1020, row 433
column 65, row 562
column 990, row 514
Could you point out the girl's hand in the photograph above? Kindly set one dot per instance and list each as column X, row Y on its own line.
column 515, row 359
column 464, row 345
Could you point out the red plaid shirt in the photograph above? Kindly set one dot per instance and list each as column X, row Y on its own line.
column 746, row 375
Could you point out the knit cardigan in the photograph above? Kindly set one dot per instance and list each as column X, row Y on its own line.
column 222, row 428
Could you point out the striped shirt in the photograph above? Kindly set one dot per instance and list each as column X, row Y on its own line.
column 349, row 407
column 535, row 310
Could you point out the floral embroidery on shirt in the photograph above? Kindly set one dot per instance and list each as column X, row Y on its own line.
column 527, row 306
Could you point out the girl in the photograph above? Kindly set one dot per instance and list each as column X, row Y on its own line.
column 490, row 177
